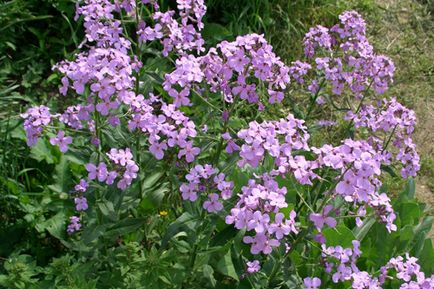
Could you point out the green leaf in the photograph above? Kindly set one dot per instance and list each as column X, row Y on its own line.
column 208, row 273
column 214, row 31
column 340, row 235
column 150, row 181
column 108, row 210
column 409, row 213
column 389, row 170
column 360, row 232
column 55, row 225
column 426, row 257
column 224, row 236
column 92, row 233
column 125, row 226
column 62, row 177
column 41, row 151
column 181, row 224
column 410, row 189
column 226, row 266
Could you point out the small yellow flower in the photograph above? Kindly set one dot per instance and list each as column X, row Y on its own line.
column 163, row 213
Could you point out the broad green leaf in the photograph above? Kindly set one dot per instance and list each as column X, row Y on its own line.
column 360, row 232
column 92, row 233
column 409, row 213
column 108, row 210
column 208, row 273
column 340, row 235
column 56, row 225
column 41, row 151
column 426, row 257
column 180, row 224
column 151, row 180
column 62, row 177
column 214, row 31
column 224, row 236
column 410, row 189
column 125, row 226
column 226, row 267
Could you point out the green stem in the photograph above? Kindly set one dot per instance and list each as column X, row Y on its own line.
column 312, row 103
column 389, row 139
column 207, row 102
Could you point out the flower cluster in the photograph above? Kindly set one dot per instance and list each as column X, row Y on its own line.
column 166, row 126
column 346, row 260
column 35, row 118
column 406, row 270
column 206, row 178
column 345, row 57
column 100, row 25
column 358, row 183
column 254, row 211
column 342, row 263
column 80, row 200
column 74, row 116
column 233, row 68
column 398, row 123
column 181, row 37
column 298, row 70
column 74, row 224
column 124, row 167
column 279, row 139
column 253, row 266
column 81, row 205
column 104, row 72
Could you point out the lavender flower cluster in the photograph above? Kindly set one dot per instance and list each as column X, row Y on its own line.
column 104, row 74
column 341, row 263
column 343, row 56
column 165, row 126
column 35, row 119
column 254, row 212
column 277, row 138
column 232, row 68
column 389, row 116
column 358, row 183
column 181, row 37
column 200, row 179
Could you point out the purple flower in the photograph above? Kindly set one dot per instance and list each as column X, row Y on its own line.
column 81, row 186
column 321, row 219
column 253, row 266
column 80, row 204
column 213, row 205
column 188, row 192
column 111, row 177
column 312, row 283
column 61, row 141
column 189, row 152
column 35, row 119
column 280, row 228
column 97, row 172
column 320, row 238
column 74, row 224
column 157, row 149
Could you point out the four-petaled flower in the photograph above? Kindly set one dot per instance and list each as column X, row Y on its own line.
column 62, row 141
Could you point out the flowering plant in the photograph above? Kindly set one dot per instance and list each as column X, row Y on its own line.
column 213, row 143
